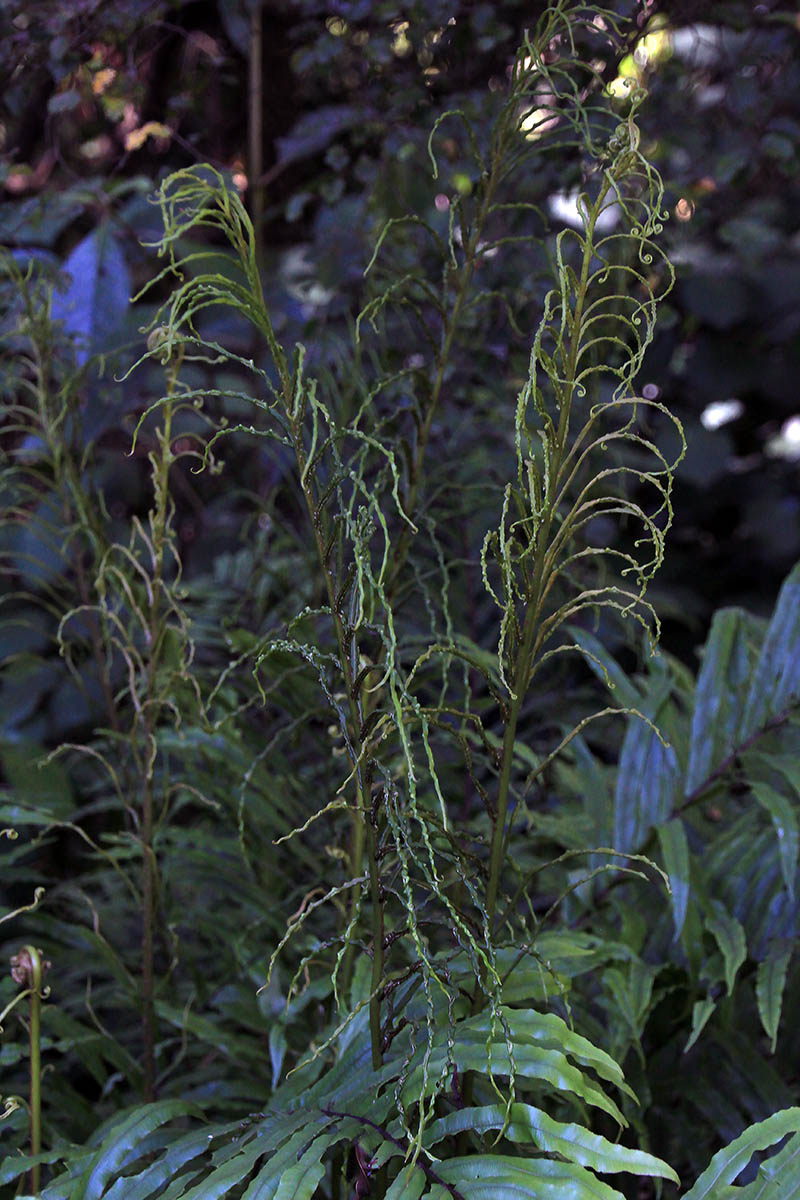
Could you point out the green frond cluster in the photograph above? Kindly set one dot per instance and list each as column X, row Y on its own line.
column 361, row 717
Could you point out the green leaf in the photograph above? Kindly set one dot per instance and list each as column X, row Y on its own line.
column 770, row 983
column 175, row 1158
column 729, row 1162
column 784, row 821
column 701, row 1011
column 300, row 1181
column 409, row 1184
column 44, row 785
column 778, row 1177
column 573, row 1142
column 126, row 1136
column 776, row 679
column 729, row 936
column 647, row 785
column 496, row 1177
column 675, row 853
column 17, row 1164
column 721, row 687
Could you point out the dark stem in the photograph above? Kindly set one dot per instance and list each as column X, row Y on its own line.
column 423, row 1165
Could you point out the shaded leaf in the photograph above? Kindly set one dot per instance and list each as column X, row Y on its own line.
column 729, row 936
column 96, row 299
column 647, row 784
column 721, row 686
column 784, row 822
column 776, row 680
column 770, row 983
column 701, row 1011
column 675, row 852
column 126, row 1136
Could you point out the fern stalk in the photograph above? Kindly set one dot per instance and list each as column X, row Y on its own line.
column 161, row 460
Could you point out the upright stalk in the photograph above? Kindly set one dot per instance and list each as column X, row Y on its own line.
column 161, row 460
column 27, row 968
column 541, row 570
column 365, row 830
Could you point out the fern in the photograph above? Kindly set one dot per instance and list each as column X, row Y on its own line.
column 421, row 1014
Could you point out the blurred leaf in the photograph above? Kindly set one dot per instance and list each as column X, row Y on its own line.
column 719, row 697
column 784, row 821
column 647, row 784
column 97, row 296
column 675, row 852
column 776, row 680
column 316, row 130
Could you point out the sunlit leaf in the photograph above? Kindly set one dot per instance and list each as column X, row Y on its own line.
column 729, row 1162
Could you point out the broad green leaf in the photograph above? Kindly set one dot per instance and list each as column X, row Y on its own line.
column 530, row 1062
column 719, row 697
column 778, row 1177
column 729, row 936
column 647, row 785
column 729, row 1162
column 17, row 1164
column 784, row 821
column 574, row 1143
column 125, row 1136
column 546, row 1027
column 175, row 1158
column 409, row 1184
column 675, row 853
column 300, row 1181
column 770, row 982
column 219, row 1181
column 496, row 1177
column 285, row 1161
column 776, row 679
column 701, row 1011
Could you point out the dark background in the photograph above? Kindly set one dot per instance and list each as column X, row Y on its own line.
column 349, row 92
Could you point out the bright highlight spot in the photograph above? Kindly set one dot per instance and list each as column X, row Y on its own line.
column 787, row 442
column 565, row 206
column 102, row 80
column 715, row 415
column 137, row 137
column 537, row 122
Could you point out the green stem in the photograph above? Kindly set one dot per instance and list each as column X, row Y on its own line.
column 365, row 826
column 542, row 568
column 162, row 461
column 27, row 968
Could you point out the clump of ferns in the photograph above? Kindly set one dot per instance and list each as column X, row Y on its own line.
column 410, row 894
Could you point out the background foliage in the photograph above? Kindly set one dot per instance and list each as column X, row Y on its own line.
column 160, row 732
